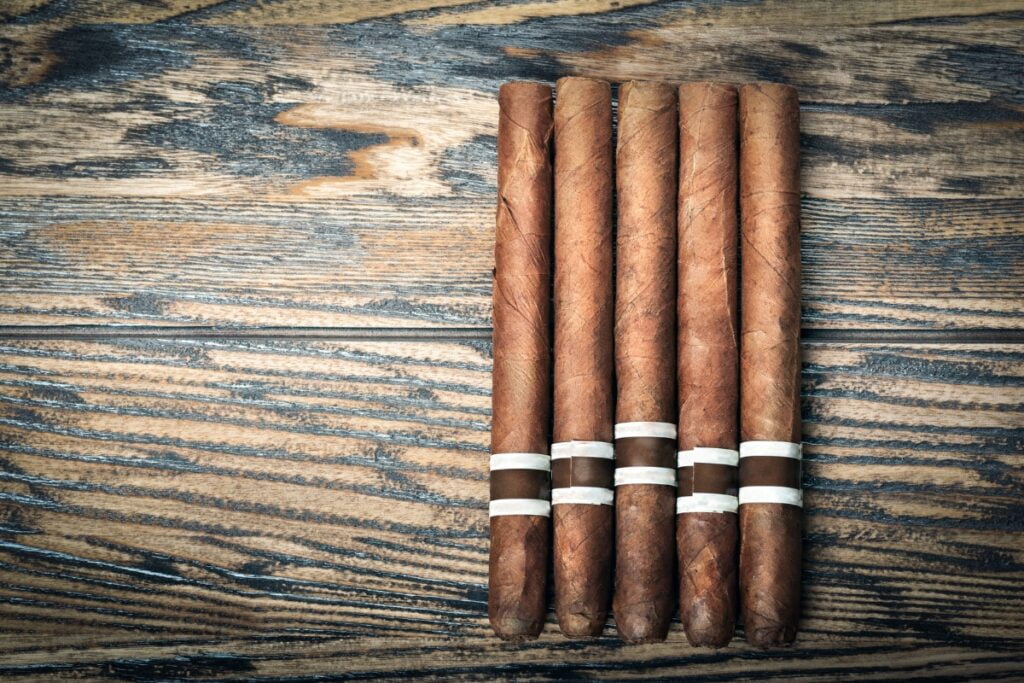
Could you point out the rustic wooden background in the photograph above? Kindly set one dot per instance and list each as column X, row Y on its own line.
column 245, row 254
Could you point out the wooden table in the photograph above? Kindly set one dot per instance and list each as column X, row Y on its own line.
column 246, row 265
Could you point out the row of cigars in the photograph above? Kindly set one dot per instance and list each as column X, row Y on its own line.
column 657, row 455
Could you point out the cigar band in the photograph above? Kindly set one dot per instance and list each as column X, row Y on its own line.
column 704, row 472
column 581, row 472
column 663, row 476
column 706, row 502
column 770, row 472
column 582, row 449
column 521, row 461
column 653, row 430
column 771, row 494
column 520, row 506
column 708, row 456
column 771, row 449
column 582, row 495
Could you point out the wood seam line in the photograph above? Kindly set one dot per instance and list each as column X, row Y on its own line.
column 808, row 335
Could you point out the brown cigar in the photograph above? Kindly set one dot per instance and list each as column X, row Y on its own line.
column 645, row 362
column 770, row 498
column 521, row 403
column 708, row 362
column 582, row 473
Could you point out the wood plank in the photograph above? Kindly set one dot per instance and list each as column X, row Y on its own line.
column 261, row 507
column 183, row 173
column 868, row 264
column 182, row 110
column 463, row 12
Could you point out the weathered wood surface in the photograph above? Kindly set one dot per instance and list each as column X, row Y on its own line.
column 270, row 508
column 218, row 507
column 198, row 163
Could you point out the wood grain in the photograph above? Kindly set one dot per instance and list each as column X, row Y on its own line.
column 868, row 264
column 332, row 174
column 222, row 507
column 232, row 501
column 462, row 12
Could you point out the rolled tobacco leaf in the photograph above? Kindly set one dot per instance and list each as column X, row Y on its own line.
column 770, row 499
column 521, row 396
column 582, row 455
column 645, row 430
column 708, row 362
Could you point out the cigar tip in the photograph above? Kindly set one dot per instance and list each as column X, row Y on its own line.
column 763, row 86
column 516, row 629
column 581, row 625
column 568, row 80
column 653, row 85
column 525, row 85
column 714, row 85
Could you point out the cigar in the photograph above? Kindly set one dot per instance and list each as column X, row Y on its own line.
column 582, row 455
column 770, row 497
column 645, row 299
column 520, row 505
column 706, row 537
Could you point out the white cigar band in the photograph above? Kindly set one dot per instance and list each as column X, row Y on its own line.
column 582, row 449
column 520, row 506
column 771, row 449
column 771, row 494
column 663, row 476
column 521, row 461
column 652, row 430
column 582, row 495
column 706, row 502
column 708, row 456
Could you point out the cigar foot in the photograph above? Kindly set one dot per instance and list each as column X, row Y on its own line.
column 770, row 573
column 770, row 635
column 516, row 629
column 516, row 599
column 706, row 629
column 578, row 625
column 642, row 624
column 582, row 567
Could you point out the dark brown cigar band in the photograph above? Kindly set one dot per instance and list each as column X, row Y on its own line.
column 770, row 463
column 645, row 451
column 770, row 473
column 593, row 472
column 707, row 480
column 763, row 470
column 710, row 478
column 520, row 484
column 582, row 472
column 684, row 478
column 709, row 456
